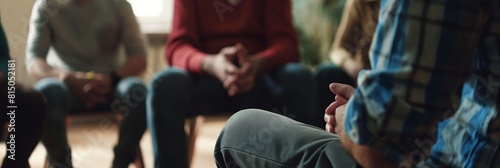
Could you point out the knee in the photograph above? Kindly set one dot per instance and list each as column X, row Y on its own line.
column 296, row 72
column 171, row 81
column 326, row 69
column 132, row 92
column 244, row 116
column 132, row 87
column 55, row 91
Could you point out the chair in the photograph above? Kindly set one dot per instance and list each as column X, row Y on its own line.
column 138, row 161
column 193, row 127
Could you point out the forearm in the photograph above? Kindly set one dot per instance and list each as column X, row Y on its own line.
column 134, row 66
column 278, row 55
column 261, row 65
column 39, row 69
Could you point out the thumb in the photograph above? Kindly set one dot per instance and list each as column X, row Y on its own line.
column 242, row 53
column 342, row 90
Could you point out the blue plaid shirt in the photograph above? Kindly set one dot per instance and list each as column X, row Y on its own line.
column 422, row 52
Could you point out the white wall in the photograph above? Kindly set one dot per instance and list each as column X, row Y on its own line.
column 15, row 20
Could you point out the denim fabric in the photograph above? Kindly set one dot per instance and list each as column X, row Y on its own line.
column 128, row 99
column 176, row 94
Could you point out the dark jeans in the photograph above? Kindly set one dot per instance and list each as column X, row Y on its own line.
column 256, row 138
column 27, row 123
column 326, row 74
column 129, row 99
column 176, row 94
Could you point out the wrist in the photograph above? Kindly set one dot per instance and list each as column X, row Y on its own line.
column 206, row 64
column 260, row 65
column 63, row 76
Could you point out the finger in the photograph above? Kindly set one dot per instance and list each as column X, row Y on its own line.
column 230, row 81
column 340, row 99
column 343, row 90
column 230, row 69
column 242, row 53
column 246, row 87
column 245, row 69
column 244, row 83
column 244, row 80
column 90, row 87
column 329, row 118
column 95, row 87
column 232, row 91
column 332, row 107
column 229, row 53
column 329, row 128
column 102, row 79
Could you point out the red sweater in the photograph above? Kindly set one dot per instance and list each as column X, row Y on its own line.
column 204, row 27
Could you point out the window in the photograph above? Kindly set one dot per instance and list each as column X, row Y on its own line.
column 154, row 16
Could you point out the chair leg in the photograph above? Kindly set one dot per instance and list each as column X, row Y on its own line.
column 194, row 127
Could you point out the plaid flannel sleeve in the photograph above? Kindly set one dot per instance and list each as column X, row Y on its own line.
column 421, row 53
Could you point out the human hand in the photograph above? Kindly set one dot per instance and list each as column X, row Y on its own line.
column 76, row 82
column 220, row 65
column 334, row 113
column 98, row 88
column 244, row 80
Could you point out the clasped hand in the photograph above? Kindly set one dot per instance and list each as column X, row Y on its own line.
column 91, row 88
column 235, row 79
column 334, row 113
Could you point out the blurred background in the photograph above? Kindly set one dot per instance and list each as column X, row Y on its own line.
column 92, row 144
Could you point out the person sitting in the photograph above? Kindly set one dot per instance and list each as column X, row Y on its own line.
column 236, row 55
column 350, row 50
column 24, row 111
column 400, row 114
column 81, row 71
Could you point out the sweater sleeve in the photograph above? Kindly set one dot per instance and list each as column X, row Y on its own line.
column 39, row 36
column 182, row 44
column 130, row 31
column 282, row 43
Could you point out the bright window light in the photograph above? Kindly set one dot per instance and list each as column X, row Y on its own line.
column 147, row 8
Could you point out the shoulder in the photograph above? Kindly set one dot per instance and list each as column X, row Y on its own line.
column 120, row 3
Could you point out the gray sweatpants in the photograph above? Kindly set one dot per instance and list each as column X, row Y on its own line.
column 260, row 139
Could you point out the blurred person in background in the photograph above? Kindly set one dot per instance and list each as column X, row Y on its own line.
column 25, row 121
column 81, row 72
column 226, row 56
column 350, row 50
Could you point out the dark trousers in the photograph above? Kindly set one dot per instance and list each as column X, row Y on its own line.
column 26, row 124
column 256, row 138
column 176, row 94
column 128, row 98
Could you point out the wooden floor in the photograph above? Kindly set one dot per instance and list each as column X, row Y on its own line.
column 92, row 141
